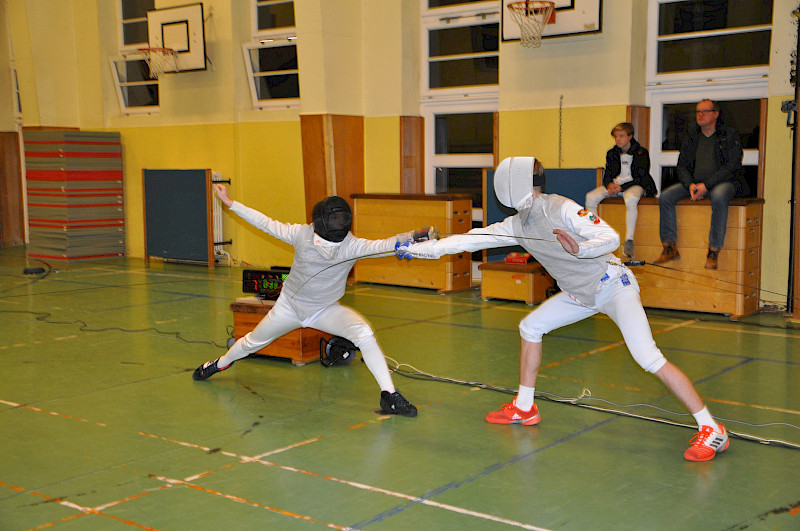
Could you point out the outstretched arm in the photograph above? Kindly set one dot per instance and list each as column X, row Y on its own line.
column 496, row 235
column 283, row 231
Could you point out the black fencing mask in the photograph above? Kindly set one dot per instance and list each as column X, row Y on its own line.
column 336, row 351
column 332, row 218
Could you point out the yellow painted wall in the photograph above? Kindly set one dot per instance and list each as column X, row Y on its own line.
column 7, row 112
column 263, row 161
column 775, row 236
column 585, row 135
column 358, row 57
column 590, row 70
column 382, row 155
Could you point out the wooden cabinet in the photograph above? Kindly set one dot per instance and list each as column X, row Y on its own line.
column 685, row 284
column 378, row 216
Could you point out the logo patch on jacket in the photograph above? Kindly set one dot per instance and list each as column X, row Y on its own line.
column 584, row 212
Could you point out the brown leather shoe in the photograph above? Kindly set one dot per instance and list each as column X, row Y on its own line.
column 669, row 253
column 711, row 259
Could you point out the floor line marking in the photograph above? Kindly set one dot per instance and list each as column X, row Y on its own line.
column 245, row 501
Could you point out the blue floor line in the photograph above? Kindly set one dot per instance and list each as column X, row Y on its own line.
column 489, row 470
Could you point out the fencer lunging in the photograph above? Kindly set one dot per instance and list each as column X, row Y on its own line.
column 574, row 246
column 325, row 251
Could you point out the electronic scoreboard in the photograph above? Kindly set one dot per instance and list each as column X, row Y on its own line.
column 266, row 284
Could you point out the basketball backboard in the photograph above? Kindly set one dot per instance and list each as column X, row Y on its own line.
column 182, row 29
column 572, row 17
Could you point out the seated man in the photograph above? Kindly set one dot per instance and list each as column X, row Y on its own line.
column 710, row 163
column 627, row 174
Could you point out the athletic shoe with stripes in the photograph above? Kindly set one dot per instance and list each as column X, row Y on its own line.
column 208, row 369
column 706, row 444
column 510, row 414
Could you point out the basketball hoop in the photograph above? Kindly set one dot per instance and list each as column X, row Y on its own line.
column 531, row 17
column 159, row 60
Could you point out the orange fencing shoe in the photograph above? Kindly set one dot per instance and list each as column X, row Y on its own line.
column 706, row 444
column 509, row 414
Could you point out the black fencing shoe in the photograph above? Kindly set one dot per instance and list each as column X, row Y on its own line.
column 208, row 369
column 396, row 404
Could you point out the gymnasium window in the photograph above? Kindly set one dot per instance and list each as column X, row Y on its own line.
column 461, row 44
column 271, row 60
column 702, row 35
column 134, row 22
column 706, row 49
column 459, row 83
column 137, row 92
column 274, row 14
column 742, row 115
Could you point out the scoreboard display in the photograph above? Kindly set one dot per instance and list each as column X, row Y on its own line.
column 267, row 284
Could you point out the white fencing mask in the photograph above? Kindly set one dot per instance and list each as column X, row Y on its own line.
column 513, row 181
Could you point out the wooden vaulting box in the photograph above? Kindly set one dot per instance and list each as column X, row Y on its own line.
column 685, row 284
column 517, row 282
column 378, row 216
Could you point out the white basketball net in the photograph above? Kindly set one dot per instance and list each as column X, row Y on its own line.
column 531, row 17
column 159, row 59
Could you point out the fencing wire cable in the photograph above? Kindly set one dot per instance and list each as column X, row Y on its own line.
column 414, row 373
column 586, row 395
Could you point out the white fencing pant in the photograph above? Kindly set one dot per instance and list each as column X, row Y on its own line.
column 618, row 300
column 334, row 319
column 630, row 196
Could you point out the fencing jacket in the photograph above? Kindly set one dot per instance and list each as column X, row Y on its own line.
column 318, row 276
column 580, row 275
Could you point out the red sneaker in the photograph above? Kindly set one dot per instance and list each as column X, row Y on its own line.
column 706, row 444
column 510, row 414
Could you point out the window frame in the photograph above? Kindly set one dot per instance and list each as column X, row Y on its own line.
column 462, row 15
column 258, row 33
column 457, row 160
column 277, row 103
column 120, row 85
column 465, row 99
column 131, row 47
column 269, row 38
column 129, row 53
column 653, row 78
column 735, row 83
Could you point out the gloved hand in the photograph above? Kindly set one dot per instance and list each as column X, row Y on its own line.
column 402, row 249
column 426, row 233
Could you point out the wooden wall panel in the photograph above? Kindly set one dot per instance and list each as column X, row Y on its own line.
column 12, row 215
column 333, row 157
column 348, row 156
column 313, row 138
column 412, row 155
column 639, row 116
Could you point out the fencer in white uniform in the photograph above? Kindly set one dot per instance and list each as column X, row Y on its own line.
column 575, row 247
column 325, row 251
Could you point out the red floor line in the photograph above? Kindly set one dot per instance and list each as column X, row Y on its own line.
column 245, row 501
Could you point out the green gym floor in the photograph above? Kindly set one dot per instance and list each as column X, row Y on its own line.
column 102, row 426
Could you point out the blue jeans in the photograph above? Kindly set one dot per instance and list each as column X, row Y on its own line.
column 720, row 196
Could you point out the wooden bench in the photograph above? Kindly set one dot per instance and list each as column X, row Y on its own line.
column 685, row 284
column 300, row 346
column 517, row 282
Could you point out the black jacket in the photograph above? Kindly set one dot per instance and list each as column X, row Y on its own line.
column 728, row 154
column 640, row 168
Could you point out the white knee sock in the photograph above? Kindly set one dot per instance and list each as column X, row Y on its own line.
column 376, row 363
column 704, row 418
column 524, row 400
column 236, row 352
